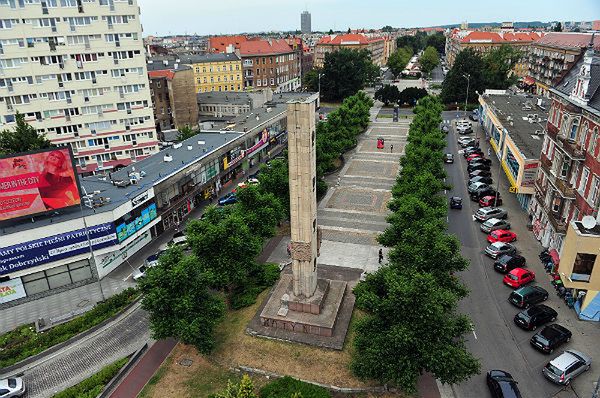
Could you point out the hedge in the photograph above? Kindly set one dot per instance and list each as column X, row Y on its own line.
column 287, row 386
column 92, row 386
column 24, row 342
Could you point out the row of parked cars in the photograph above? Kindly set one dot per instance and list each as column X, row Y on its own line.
column 513, row 266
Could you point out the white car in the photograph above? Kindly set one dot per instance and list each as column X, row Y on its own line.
column 12, row 387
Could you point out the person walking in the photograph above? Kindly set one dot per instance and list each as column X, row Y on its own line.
column 489, row 152
column 391, row 148
column 380, row 255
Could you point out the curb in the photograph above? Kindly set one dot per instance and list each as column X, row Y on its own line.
column 115, row 381
column 24, row 364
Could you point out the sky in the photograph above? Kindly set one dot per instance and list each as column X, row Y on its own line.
column 204, row 17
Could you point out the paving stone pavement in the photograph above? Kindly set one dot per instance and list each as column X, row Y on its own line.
column 88, row 356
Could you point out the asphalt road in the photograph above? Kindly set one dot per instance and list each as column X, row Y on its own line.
column 495, row 340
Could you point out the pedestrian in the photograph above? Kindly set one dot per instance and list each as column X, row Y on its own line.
column 391, row 148
column 380, row 255
column 489, row 152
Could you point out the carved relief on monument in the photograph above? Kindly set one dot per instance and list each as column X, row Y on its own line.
column 301, row 251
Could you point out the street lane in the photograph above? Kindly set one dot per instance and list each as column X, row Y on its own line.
column 496, row 341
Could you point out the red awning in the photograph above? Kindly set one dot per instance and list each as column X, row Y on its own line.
column 555, row 257
column 528, row 80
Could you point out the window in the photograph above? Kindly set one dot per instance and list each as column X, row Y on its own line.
column 594, row 195
column 583, row 266
column 585, row 174
column 574, row 128
column 583, row 134
column 593, row 142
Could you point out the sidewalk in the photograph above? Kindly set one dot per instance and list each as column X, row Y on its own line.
column 140, row 374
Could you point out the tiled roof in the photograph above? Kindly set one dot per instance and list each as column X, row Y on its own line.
column 569, row 40
column 567, row 83
column 218, row 57
column 350, row 38
column 260, row 47
column 168, row 73
column 219, row 44
column 495, row 37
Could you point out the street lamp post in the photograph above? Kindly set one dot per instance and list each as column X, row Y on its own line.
column 468, row 77
column 320, row 75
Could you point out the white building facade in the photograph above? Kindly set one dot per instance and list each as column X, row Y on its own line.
column 76, row 69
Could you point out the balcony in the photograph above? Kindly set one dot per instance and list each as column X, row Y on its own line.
column 557, row 222
column 564, row 188
column 567, row 146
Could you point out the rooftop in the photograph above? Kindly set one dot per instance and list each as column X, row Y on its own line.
column 516, row 113
column 568, row 40
column 164, row 63
column 566, row 85
column 348, row 39
column 223, row 97
column 265, row 47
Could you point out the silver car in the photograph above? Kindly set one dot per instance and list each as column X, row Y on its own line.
column 485, row 213
column 12, row 387
column 476, row 185
column 493, row 224
column 567, row 366
column 499, row 249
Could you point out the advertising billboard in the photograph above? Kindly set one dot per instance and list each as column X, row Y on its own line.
column 136, row 222
column 11, row 290
column 33, row 183
column 56, row 247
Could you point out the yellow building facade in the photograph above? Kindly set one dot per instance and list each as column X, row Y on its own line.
column 216, row 72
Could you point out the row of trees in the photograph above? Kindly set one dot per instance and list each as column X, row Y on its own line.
column 344, row 73
column 411, row 324
column 429, row 60
column 399, row 59
column 421, row 40
column 187, row 295
column 492, row 70
column 391, row 95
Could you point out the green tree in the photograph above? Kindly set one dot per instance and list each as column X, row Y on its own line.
column 411, row 95
column 399, row 59
column 275, row 180
column 387, row 94
column 387, row 28
column 345, row 72
column 23, row 138
column 310, row 80
column 499, row 63
column 330, row 32
column 185, row 132
column 558, row 28
column 243, row 389
column 429, row 60
column 467, row 62
column 437, row 41
column 416, row 42
column 178, row 298
column 411, row 316
column 261, row 210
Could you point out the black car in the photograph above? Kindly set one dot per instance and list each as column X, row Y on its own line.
column 535, row 316
column 550, row 337
column 456, row 202
column 502, row 385
column 445, row 129
column 505, row 264
column 480, row 160
column 482, row 172
column 448, row 158
column 526, row 296
column 471, row 150
column 477, row 166
column 485, row 180
column 480, row 193
column 467, row 143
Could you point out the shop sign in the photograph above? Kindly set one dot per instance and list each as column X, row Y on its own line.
column 236, row 160
column 56, row 247
column 11, row 290
column 139, row 199
column 126, row 229
column 264, row 140
column 529, row 174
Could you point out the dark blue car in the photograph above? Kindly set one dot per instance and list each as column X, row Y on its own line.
column 228, row 199
column 456, row 202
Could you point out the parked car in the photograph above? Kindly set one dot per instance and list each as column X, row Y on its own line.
column 477, row 166
column 534, row 316
column 550, row 337
column 448, row 158
column 487, row 180
column 479, row 159
column 445, row 128
column 497, row 249
column 228, row 199
column 490, row 200
column 493, row 224
column 466, row 141
column 473, row 117
column 502, row 385
column 501, row 235
column 456, row 202
column 12, row 387
column 518, row 277
column 567, row 366
column 526, row 296
column 485, row 213
column 475, row 186
column 473, row 156
column 468, row 151
column 481, row 172
column 179, row 239
column 480, row 193
column 507, row 263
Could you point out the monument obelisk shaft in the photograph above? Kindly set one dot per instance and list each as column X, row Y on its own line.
column 303, row 199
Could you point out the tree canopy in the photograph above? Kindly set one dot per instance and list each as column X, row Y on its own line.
column 185, row 132
column 399, row 59
column 310, row 80
column 429, row 60
column 23, row 138
column 345, row 72
column 411, row 95
column 387, row 94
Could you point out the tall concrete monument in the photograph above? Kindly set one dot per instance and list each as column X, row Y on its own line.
column 302, row 301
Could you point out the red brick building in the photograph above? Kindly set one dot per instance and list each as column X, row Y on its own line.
column 270, row 63
column 568, row 184
column 220, row 44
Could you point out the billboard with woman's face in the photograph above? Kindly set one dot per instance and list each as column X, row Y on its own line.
column 33, row 183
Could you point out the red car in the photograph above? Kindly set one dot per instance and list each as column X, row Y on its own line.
column 518, row 277
column 474, row 156
column 501, row 235
column 488, row 201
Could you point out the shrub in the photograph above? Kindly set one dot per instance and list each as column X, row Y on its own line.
column 287, row 387
column 247, row 294
column 92, row 386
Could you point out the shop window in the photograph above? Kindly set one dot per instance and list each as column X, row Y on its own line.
column 35, row 283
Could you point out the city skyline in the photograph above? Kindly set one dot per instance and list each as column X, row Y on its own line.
column 226, row 16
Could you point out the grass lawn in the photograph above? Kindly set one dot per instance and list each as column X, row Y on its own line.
column 385, row 116
column 209, row 374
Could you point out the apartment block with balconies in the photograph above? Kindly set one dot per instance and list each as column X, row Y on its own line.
column 568, row 183
column 76, row 69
